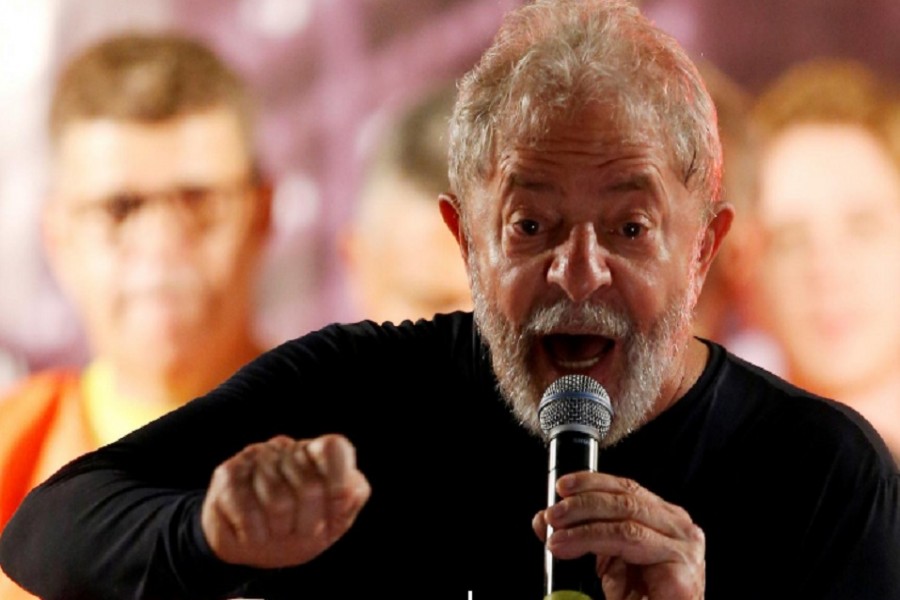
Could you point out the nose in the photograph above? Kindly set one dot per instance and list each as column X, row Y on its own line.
column 579, row 264
column 158, row 232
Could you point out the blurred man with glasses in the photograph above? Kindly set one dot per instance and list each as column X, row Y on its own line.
column 154, row 223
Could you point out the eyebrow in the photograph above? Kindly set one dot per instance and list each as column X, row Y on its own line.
column 519, row 181
column 632, row 182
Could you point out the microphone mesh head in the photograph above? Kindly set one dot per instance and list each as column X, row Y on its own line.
column 575, row 403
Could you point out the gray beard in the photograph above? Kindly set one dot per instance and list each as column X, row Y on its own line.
column 649, row 356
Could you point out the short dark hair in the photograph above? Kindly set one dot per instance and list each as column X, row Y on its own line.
column 146, row 77
column 827, row 91
column 415, row 144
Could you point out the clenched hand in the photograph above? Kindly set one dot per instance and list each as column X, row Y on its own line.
column 283, row 502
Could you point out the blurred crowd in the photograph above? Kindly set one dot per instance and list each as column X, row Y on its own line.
column 186, row 184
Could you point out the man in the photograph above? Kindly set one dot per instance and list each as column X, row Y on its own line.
column 400, row 260
column 153, row 226
column 586, row 206
column 829, row 212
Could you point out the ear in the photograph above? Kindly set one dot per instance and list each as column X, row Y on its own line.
column 449, row 205
column 715, row 232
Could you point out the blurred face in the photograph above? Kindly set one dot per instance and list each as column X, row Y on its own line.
column 154, row 229
column 830, row 274
column 587, row 253
column 405, row 264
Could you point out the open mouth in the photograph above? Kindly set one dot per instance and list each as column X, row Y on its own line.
column 576, row 352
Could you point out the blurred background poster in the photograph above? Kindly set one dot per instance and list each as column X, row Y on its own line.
column 324, row 72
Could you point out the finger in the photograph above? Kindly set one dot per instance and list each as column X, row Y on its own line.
column 272, row 486
column 592, row 481
column 614, row 579
column 346, row 487
column 276, row 495
column 597, row 496
column 297, row 467
column 539, row 524
column 346, row 490
column 344, row 509
column 335, row 458
column 631, row 541
column 233, row 497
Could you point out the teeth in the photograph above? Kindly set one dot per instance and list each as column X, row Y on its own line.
column 578, row 364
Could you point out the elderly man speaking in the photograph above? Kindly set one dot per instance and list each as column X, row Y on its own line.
column 363, row 460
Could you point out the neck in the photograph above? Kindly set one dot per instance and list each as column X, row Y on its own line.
column 172, row 383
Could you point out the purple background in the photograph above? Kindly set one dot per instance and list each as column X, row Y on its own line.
column 321, row 69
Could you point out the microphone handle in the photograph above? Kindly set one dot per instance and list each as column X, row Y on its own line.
column 576, row 579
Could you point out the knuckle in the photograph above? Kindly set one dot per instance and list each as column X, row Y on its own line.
column 576, row 503
column 336, row 438
column 682, row 514
column 363, row 489
column 629, row 531
column 250, row 452
column 628, row 505
column 697, row 535
column 270, row 486
column 275, row 502
column 226, row 474
column 630, row 486
column 280, row 441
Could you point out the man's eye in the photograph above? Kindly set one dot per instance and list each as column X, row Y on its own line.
column 528, row 227
column 633, row 230
column 194, row 197
column 120, row 207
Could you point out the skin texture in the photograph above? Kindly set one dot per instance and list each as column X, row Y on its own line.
column 583, row 218
column 167, row 303
column 283, row 502
column 645, row 547
column 829, row 274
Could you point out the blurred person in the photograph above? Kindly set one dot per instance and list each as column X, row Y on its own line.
column 585, row 174
column 401, row 261
column 724, row 311
column 718, row 313
column 153, row 226
column 828, row 207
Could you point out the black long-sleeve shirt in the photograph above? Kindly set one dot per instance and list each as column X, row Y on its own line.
column 797, row 495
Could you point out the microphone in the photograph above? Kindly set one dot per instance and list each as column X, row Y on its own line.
column 575, row 414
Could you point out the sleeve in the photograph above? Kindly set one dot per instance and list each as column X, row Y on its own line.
column 124, row 521
column 853, row 538
column 864, row 550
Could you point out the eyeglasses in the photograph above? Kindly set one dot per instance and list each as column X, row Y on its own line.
column 197, row 208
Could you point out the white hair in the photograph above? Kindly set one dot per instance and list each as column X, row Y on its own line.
column 553, row 58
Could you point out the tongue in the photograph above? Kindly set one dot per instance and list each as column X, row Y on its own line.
column 576, row 347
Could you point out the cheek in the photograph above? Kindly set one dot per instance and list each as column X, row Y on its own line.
column 520, row 288
column 90, row 273
column 647, row 290
column 226, row 261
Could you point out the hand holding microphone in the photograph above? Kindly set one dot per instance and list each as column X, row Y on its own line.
column 283, row 502
column 639, row 545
